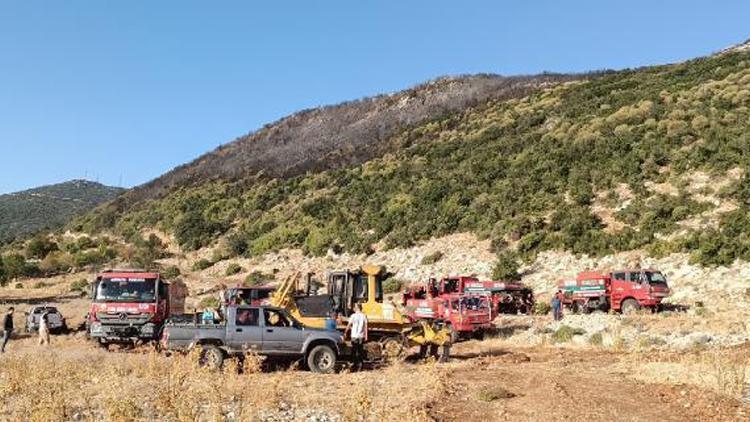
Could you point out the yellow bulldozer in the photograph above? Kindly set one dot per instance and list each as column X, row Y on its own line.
column 391, row 333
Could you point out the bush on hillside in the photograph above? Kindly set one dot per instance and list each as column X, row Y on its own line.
column 171, row 272
column 257, row 278
column 506, row 267
column 40, row 246
column 233, row 269
column 81, row 285
column 432, row 258
column 393, row 285
column 202, row 264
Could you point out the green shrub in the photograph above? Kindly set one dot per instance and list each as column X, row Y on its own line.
column 89, row 258
column 40, row 246
column 565, row 333
column 393, row 285
column 40, row 285
column 493, row 393
column 19, row 285
column 209, row 302
column 432, row 258
column 257, row 278
column 237, row 244
column 81, row 285
column 506, row 267
column 202, row 264
column 16, row 266
column 171, row 272
column 84, row 242
column 233, row 269
column 541, row 308
column 596, row 339
column 220, row 254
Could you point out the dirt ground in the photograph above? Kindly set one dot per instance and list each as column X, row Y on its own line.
column 485, row 380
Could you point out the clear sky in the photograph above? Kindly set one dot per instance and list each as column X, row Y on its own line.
column 121, row 92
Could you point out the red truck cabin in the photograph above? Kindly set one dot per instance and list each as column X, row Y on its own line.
column 128, row 305
column 637, row 288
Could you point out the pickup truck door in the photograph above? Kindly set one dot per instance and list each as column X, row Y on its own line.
column 243, row 329
column 280, row 335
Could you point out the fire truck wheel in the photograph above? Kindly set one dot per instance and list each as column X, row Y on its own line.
column 630, row 306
column 575, row 308
column 211, row 357
column 478, row 335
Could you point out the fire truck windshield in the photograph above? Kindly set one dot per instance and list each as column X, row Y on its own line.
column 655, row 278
column 126, row 290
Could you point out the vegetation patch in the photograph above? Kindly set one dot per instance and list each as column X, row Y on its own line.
column 432, row 258
column 233, row 269
column 494, row 393
column 566, row 333
column 257, row 278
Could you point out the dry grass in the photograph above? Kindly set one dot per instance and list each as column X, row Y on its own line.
column 74, row 380
column 723, row 371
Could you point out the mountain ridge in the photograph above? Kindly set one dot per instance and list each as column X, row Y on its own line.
column 49, row 207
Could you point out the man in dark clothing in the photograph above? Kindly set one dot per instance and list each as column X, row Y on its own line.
column 7, row 328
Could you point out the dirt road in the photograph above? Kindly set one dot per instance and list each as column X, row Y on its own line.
column 532, row 384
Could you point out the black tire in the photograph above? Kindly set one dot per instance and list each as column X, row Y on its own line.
column 478, row 335
column 321, row 359
column 630, row 306
column 211, row 357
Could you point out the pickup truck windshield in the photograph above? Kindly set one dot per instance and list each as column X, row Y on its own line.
column 126, row 290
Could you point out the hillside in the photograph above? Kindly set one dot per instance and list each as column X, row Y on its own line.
column 649, row 158
column 49, row 207
column 337, row 136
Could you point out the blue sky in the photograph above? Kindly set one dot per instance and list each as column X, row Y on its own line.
column 121, row 92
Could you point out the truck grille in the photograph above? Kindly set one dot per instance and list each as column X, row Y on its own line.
column 123, row 318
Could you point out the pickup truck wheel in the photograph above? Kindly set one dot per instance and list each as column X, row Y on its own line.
column 211, row 357
column 321, row 359
column 630, row 306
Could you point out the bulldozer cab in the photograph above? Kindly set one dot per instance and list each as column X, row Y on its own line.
column 363, row 286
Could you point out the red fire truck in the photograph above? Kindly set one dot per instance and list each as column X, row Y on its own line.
column 132, row 305
column 507, row 297
column 621, row 290
column 469, row 314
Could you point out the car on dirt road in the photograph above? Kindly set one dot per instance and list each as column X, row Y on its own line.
column 55, row 319
column 265, row 330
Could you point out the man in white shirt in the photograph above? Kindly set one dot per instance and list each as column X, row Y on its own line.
column 358, row 327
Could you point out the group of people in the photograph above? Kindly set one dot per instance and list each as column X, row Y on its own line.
column 8, row 329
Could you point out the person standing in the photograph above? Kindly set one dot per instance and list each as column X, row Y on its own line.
column 7, row 328
column 556, row 307
column 44, row 329
column 357, row 326
column 560, row 299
